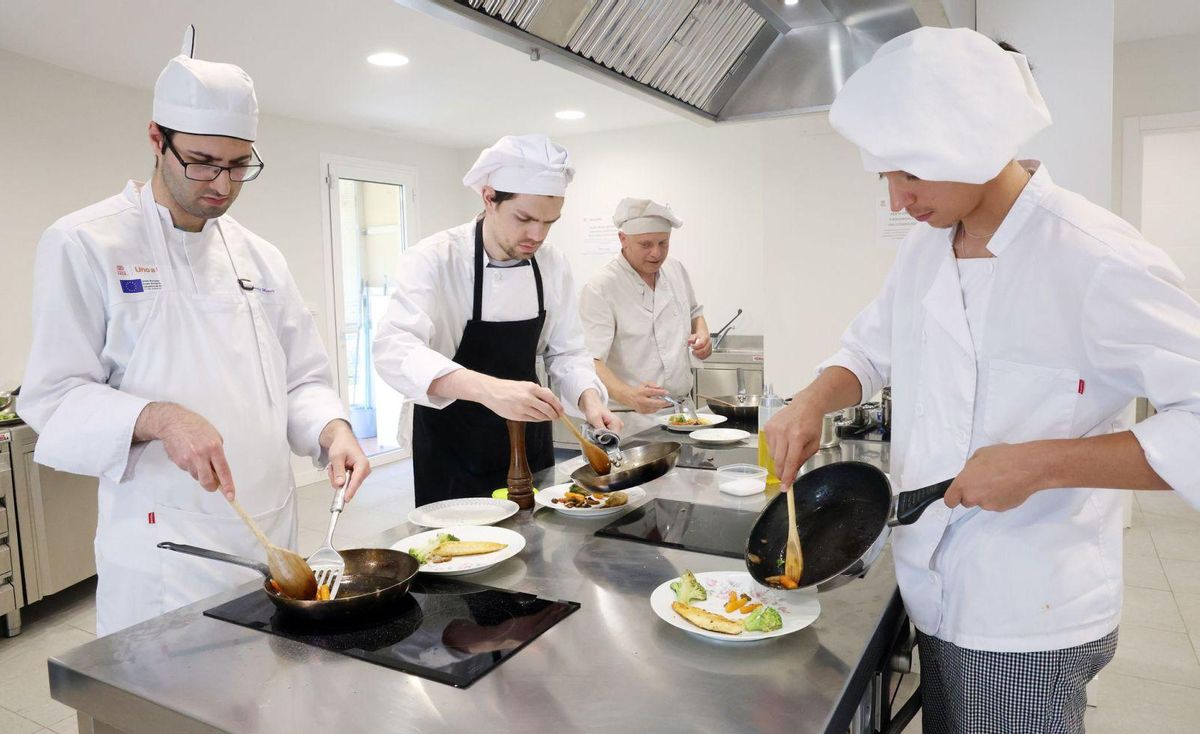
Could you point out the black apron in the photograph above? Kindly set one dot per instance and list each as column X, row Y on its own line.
column 462, row 450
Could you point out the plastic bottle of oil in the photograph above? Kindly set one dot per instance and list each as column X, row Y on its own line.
column 770, row 405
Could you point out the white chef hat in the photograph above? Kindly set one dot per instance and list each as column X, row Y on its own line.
column 205, row 98
column 522, row 164
column 944, row 104
column 639, row 216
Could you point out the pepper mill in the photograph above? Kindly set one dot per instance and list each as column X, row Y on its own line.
column 520, row 480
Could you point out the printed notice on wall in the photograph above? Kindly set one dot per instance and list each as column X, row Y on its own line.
column 599, row 235
column 890, row 227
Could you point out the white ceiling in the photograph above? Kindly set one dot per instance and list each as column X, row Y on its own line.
column 1138, row 20
column 308, row 60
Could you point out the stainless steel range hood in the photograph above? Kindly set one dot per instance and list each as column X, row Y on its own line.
column 713, row 60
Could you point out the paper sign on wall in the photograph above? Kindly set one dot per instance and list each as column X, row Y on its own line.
column 890, row 227
column 599, row 235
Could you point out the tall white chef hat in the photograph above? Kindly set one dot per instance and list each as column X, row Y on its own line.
column 639, row 216
column 205, row 98
column 522, row 164
column 944, row 104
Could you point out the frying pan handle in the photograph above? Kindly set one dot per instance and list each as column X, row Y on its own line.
column 910, row 505
column 213, row 555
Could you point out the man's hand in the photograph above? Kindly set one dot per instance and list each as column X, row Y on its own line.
column 519, row 401
column 191, row 442
column 701, row 345
column 645, row 398
column 1000, row 477
column 597, row 413
column 793, row 436
column 344, row 452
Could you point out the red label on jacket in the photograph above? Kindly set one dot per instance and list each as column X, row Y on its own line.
column 150, row 519
column 1081, row 385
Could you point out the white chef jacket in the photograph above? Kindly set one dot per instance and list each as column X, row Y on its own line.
column 424, row 323
column 88, row 325
column 1083, row 316
column 640, row 332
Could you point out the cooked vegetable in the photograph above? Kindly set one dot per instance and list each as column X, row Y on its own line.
column 687, row 589
column 736, row 602
column 323, row 592
column 782, row 582
column 679, row 419
column 456, row 548
column 422, row 553
column 749, row 608
column 707, row 620
column 766, row 619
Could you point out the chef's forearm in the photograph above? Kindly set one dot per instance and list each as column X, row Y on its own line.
column 617, row 388
column 331, row 431
column 152, row 422
column 835, row 388
column 461, row 384
column 1112, row 461
column 699, row 325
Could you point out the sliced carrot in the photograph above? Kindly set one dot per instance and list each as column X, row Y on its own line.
column 749, row 608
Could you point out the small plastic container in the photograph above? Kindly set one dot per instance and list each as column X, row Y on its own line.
column 742, row 480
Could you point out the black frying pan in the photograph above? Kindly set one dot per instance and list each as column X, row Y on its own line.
column 843, row 513
column 376, row 580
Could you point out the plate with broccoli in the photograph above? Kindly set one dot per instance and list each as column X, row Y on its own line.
column 462, row 550
column 731, row 606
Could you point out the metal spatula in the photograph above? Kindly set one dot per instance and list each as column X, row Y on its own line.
column 326, row 563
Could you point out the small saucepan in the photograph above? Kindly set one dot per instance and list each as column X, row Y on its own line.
column 844, row 514
column 744, row 410
column 376, row 580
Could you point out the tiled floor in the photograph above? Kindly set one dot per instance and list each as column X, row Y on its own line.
column 1153, row 684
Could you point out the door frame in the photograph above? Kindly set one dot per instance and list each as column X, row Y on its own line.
column 1133, row 134
column 333, row 168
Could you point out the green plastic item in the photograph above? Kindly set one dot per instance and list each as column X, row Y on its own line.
column 502, row 493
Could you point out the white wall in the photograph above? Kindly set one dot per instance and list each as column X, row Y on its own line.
column 71, row 140
column 1170, row 191
column 1152, row 77
column 1070, row 47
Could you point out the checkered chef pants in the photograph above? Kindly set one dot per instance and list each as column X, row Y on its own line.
column 980, row 692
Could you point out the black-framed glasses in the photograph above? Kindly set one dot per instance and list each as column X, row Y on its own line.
column 210, row 171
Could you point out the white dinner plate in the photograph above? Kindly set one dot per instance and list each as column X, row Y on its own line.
column 709, row 419
column 514, row 544
column 546, row 497
column 465, row 511
column 797, row 609
column 720, row 435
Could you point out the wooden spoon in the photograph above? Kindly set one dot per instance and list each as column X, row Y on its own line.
column 595, row 455
column 288, row 569
column 793, row 563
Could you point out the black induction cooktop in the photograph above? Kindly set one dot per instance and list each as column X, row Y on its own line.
column 449, row 631
column 718, row 531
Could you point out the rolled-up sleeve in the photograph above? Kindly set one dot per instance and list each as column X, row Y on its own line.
column 403, row 357
column 84, row 425
column 312, row 401
column 867, row 343
column 1142, row 331
column 568, row 360
column 598, row 320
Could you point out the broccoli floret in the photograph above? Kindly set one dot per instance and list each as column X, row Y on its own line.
column 763, row 619
column 423, row 552
column 687, row 589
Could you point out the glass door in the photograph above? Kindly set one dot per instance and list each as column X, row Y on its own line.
column 370, row 210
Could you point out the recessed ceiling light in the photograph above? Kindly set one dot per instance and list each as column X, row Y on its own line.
column 387, row 58
column 791, row 2
column 569, row 115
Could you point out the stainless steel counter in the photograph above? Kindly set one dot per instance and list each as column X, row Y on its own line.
column 613, row 665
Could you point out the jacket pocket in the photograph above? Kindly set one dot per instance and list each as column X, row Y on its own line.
column 1027, row 402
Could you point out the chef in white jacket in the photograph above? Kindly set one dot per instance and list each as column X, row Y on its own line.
column 1018, row 323
column 172, row 354
column 474, row 307
column 641, row 319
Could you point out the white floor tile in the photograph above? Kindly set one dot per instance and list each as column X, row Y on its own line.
column 1138, row 543
column 1189, row 610
column 1177, row 542
column 1184, row 576
column 1152, row 608
column 1128, row 704
column 1156, row 655
column 13, row 723
column 1145, row 572
column 69, row 725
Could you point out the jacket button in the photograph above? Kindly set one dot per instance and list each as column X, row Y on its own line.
column 962, row 437
column 920, row 409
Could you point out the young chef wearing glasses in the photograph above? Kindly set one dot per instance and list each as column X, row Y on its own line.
column 172, row 353
column 640, row 316
column 473, row 309
column 1017, row 325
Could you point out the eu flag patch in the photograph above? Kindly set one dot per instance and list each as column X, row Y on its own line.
column 132, row 286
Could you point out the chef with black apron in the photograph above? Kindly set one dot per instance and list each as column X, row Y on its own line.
column 474, row 307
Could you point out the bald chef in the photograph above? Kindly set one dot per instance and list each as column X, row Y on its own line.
column 474, row 307
column 640, row 316
column 172, row 354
